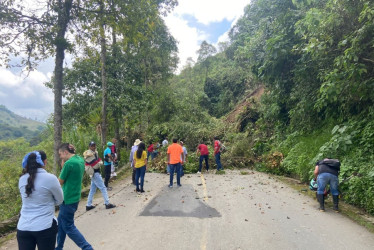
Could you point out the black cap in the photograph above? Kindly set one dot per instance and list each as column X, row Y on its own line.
column 92, row 143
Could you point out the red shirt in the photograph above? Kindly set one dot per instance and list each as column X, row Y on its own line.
column 150, row 148
column 203, row 149
column 217, row 146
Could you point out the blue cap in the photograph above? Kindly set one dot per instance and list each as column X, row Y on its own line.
column 109, row 144
column 38, row 158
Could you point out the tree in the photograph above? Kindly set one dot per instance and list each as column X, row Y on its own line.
column 39, row 32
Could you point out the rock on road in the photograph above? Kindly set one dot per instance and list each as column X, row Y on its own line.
column 210, row 211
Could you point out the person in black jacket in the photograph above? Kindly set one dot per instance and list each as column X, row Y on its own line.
column 327, row 172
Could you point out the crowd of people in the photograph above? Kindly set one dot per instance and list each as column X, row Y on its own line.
column 41, row 191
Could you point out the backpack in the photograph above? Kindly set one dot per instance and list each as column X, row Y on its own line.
column 222, row 147
column 332, row 163
column 89, row 170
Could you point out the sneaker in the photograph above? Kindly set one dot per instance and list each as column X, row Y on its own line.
column 114, row 174
column 142, row 191
column 109, row 206
column 198, row 172
column 88, row 208
column 109, row 188
column 170, row 186
column 179, row 185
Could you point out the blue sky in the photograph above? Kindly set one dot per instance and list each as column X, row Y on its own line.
column 214, row 30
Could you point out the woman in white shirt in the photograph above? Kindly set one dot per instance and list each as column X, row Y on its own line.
column 40, row 193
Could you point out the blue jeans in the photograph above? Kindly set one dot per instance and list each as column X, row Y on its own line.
column 140, row 173
column 218, row 161
column 97, row 183
column 66, row 227
column 327, row 178
column 177, row 168
column 206, row 158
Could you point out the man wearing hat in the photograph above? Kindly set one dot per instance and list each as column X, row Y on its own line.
column 108, row 164
column 133, row 150
column 92, row 160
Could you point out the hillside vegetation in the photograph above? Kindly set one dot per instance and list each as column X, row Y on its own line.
column 14, row 126
column 292, row 85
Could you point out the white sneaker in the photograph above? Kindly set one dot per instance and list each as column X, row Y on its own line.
column 198, row 172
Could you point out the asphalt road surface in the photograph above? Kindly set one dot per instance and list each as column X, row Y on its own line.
column 210, row 211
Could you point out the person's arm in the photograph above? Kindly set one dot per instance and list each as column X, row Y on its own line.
column 316, row 171
column 61, row 181
column 56, row 191
column 168, row 158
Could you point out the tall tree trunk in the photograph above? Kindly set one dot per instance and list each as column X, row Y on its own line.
column 61, row 43
column 104, row 85
column 117, row 114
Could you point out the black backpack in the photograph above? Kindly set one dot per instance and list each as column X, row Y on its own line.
column 332, row 163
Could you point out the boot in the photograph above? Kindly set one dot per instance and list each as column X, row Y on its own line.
column 335, row 199
column 321, row 200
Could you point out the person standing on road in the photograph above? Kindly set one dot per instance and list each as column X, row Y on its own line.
column 327, row 172
column 113, row 150
column 71, row 180
column 140, row 163
column 133, row 150
column 217, row 153
column 91, row 159
column 184, row 157
column 40, row 192
column 108, row 159
column 175, row 156
column 204, row 155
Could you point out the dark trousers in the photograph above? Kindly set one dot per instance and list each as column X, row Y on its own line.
column 139, row 174
column 133, row 176
column 108, row 171
column 218, row 161
column 45, row 239
column 177, row 168
column 66, row 227
column 206, row 158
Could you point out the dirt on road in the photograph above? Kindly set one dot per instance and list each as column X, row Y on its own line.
column 209, row 211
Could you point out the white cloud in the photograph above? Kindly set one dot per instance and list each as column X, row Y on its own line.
column 205, row 12
column 25, row 94
column 8, row 79
column 188, row 38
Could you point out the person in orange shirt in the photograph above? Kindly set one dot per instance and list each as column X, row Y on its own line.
column 175, row 159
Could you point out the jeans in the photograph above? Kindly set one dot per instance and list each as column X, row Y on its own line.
column 108, row 171
column 177, row 168
column 66, row 227
column 97, row 183
column 140, row 173
column 327, row 178
column 45, row 239
column 218, row 161
column 202, row 157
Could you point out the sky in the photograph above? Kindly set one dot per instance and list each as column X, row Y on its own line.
column 191, row 22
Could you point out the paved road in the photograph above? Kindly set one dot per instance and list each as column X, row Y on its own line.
column 211, row 211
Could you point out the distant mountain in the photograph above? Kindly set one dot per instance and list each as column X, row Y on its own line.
column 14, row 126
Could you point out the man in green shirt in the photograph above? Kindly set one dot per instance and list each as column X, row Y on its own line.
column 71, row 180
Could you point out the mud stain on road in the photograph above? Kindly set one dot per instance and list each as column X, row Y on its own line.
column 179, row 202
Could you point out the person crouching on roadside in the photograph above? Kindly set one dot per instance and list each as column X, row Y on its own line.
column 92, row 160
column 40, row 193
column 140, row 163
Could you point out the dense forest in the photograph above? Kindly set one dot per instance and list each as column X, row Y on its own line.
column 292, row 85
